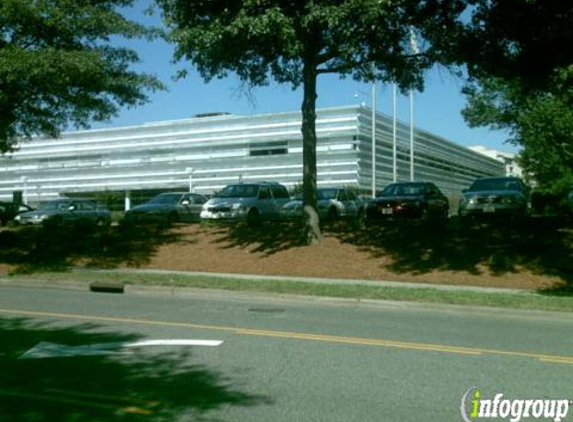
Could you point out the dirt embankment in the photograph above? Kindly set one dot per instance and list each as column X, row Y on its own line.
column 536, row 256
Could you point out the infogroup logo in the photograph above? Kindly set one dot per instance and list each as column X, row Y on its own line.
column 475, row 407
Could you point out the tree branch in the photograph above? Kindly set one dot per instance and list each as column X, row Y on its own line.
column 348, row 67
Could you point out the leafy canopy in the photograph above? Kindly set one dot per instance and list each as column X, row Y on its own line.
column 260, row 40
column 541, row 122
column 60, row 63
column 523, row 40
column 522, row 81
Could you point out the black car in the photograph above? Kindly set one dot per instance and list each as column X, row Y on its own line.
column 419, row 200
column 495, row 196
column 9, row 210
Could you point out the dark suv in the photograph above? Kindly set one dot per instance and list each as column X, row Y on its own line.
column 250, row 202
column 495, row 196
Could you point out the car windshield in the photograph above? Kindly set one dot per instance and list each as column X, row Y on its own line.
column 408, row 189
column 239, row 191
column 326, row 194
column 56, row 205
column 495, row 184
column 166, row 198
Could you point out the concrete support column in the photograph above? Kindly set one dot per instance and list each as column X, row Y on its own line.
column 25, row 190
column 127, row 200
column 190, row 171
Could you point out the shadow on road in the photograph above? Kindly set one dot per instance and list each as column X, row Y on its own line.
column 33, row 249
column 139, row 386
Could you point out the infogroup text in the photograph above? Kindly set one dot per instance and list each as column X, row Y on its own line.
column 475, row 407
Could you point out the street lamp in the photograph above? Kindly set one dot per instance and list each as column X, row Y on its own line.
column 394, row 136
column 373, row 118
column 415, row 50
column 373, row 139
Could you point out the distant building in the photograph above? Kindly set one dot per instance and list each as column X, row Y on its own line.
column 205, row 153
column 509, row 159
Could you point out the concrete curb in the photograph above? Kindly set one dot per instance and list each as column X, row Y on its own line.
column 120, row 287
column 316, row 280
column 182, row 291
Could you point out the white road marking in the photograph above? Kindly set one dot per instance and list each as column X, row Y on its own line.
column 45, row 349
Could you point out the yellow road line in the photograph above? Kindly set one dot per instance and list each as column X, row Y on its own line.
column 567, row 361
column 360, row 341
column 428, row 347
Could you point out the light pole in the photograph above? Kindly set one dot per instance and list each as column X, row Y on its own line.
column 415, row 50
column 373, row 118
column 373, row 139
column 411, row 135
column 394, row 135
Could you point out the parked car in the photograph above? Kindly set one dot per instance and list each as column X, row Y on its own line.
column 250, row 202
column 419, row 200
column 494, row 196
column 67, row 211
column 9, row 210
column 332, row 203
column 168, row 208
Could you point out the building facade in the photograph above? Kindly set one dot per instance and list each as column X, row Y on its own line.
column 512, row 167
column 204, row 154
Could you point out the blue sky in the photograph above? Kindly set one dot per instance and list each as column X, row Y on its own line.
column 437, row 109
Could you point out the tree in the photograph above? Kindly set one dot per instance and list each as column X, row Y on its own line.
column 540, row 122
column 59, row 67
column 516, row 40
column 522, row 81
column 294, row 42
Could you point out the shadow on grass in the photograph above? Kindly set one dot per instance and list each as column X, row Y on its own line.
column 140, row 386
column 540, row 245
column 32, row 249
column 267, row 238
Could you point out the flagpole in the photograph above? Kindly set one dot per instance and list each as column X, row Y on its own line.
column 415, row 50
column 412, row 135
column 394, row 134
column 373, row 139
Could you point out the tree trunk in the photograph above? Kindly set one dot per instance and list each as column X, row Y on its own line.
column 311, row 219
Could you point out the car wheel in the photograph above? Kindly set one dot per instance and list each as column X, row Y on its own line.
column 360, row 218
column 332, row 214
column 172, row 218
column 445, row 216
column 253, row 217
column 54, row 222
column 425, row 215
column 465, row 221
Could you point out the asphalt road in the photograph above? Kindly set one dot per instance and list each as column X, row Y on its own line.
column 281, row 359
